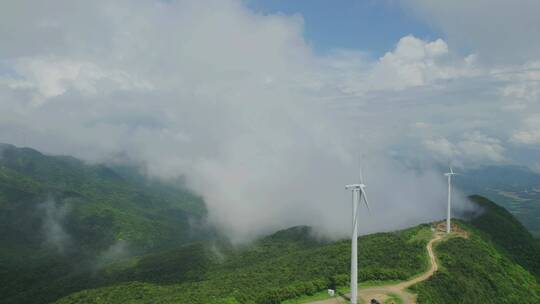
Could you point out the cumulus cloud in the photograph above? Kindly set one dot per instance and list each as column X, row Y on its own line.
column 529, row 134
column 477, row 146
column 442, row 147
column 416, row 62
column 471, row 148
column 51, row 77
column 522, row 87
column 413, row 62
column 237, row 102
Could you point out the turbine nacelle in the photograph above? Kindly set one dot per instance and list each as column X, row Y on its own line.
column 361, row 189
column 355, row 186
column 450, row 173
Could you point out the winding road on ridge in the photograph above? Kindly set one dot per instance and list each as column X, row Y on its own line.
column 381, row 292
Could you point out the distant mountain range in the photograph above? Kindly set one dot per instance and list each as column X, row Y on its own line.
column 515, row 188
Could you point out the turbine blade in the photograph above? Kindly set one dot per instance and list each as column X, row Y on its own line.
column 364, row 196
column 361, row 176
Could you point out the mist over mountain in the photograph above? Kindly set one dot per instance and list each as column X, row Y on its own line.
column 185, row 151
column 120, row 259
column 69, row 226
column 255, row 119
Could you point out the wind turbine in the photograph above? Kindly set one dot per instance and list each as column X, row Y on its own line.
column 358, row 193
column 448, row 211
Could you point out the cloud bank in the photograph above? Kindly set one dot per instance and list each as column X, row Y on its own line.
column 265, row 129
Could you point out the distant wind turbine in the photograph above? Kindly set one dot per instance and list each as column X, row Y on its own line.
column 358, row 193
column 448, row 211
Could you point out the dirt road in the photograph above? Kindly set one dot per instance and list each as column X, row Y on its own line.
column 381, row 292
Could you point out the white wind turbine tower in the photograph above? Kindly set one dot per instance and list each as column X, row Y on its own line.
column 358, row 193
column 448, row 211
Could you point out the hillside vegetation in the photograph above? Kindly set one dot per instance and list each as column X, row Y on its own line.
column 508, row 234
column 482, row 268
column 285, row 265
column 474, row 272
column 78, row 233
column 60, row 217
column 498, row 263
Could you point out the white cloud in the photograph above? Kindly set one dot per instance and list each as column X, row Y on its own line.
column 51, row 77
column 442, row 147
column 529, row 134
column 265, row 129
column 471, row 148
column 522, row 89
column 415, row 62
column 479, row 147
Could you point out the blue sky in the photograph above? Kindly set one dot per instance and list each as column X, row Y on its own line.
column 372, row 26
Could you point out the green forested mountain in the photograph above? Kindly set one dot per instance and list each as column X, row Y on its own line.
column 60, row 216
column 482, row 268
column 78, row 233
column 101, row 204
column 498, row 263
column 284, row 265
column 508, row 235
